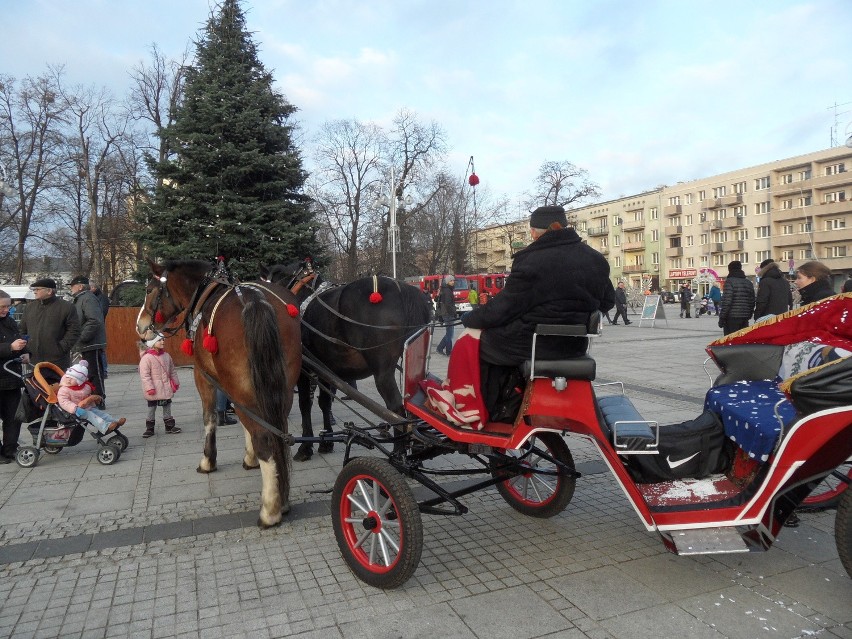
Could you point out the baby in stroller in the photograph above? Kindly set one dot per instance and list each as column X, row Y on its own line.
column 75, row 397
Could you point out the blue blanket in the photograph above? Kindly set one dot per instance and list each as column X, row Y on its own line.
column 747, row 410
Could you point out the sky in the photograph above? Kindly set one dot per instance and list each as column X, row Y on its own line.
column 639, row 94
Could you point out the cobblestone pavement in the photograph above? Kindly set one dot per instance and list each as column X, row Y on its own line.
column 147, row 547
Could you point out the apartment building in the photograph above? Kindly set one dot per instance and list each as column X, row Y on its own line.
column 791, row 210
column 491, row 248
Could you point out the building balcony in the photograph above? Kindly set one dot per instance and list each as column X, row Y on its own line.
column 597, row 231
column 633, row 225
column 674, row 251
column 712, row 203
column 833, row 236
column 710, row 225
column 831, row 182
column 830, row 208
column 633, row 268
column 731, row 200
column 733, row 245
column 733, row 222
column 716, row 247
column 672, row 231
column 628, row 247
column 801, row 187
column 796, row 213
column 603, row 250
column 838, row 265
column 793, row 239
column 672, row 209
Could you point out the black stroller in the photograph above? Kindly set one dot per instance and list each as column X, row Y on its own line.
column 51, row 427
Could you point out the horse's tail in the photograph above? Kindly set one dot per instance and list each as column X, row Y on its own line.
column 415, row 308
column 266, row 358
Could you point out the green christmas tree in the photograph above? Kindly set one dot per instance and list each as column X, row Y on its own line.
column 233, row 184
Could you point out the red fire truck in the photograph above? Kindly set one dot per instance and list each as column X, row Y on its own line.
column 487, row 285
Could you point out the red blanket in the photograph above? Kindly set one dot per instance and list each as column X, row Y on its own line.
column 459, row 398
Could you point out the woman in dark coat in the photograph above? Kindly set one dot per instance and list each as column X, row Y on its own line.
column 813, row 280
column 773, row 292
column 11, row 346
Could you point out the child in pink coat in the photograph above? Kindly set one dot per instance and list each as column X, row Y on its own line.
column 159, row 383
column 75, row 397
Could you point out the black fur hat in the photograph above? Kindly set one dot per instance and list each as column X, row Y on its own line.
column 544, row 216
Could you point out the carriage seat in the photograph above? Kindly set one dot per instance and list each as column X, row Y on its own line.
column 582, row 367
column 627, row 429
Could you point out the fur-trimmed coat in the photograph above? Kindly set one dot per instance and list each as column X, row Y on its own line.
column 555, row 280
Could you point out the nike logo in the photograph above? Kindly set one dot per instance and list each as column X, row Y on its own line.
column 680, row 462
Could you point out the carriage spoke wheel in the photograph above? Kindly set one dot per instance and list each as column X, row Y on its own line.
column 535, row 494
column 843, row 530
column 828, row 492
column 376, row 522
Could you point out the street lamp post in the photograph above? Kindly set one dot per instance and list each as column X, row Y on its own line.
column 393, row 203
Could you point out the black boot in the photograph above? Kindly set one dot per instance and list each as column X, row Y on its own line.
column 171, row 429
column 225, row 419
column 149, row 429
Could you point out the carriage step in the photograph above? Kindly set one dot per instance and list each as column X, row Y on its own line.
column 708, row 541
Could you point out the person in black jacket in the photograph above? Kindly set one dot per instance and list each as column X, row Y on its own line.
column 686, row 296
column 447, row 313
column 737, row 299
column 813, row 279
column 92, row 341
column 12, row 345
column 557, row 279
column 620, row 305
column 52, row 323
column 847, row 286
column 773, row 292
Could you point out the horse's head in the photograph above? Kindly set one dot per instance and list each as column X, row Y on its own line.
column 298, row 276
column 166, row 295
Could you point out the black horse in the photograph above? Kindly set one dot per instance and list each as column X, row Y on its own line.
column 356, row 330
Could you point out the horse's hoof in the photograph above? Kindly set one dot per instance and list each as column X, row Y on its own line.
column 325, row 447
column 302, row 455
column 285, row 508
column 264, row 526
column 247, row 467
column 205, row 472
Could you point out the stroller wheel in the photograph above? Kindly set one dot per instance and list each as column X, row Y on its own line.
column 109, row 454
column 119, row 440
column 27, row 456
column 52, row 449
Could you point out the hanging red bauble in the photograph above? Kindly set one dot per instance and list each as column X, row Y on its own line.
column 473, row 180
column 292, row 311
column 186, row 346
column 375, row 297
column 210, row 343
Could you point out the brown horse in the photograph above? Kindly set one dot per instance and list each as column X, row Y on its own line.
column 245, row 342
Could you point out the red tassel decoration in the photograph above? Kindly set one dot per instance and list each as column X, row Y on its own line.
column 158, row 317
column 375, row 298
column 292, row 311
column 210, row 343
column 186, row 347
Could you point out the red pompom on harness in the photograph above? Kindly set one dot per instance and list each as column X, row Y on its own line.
column 186, row 347
column 375, row 296
column 292, row 311
column 209, row 341
column 158, row 317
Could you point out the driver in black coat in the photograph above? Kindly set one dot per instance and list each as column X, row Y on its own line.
column 557, row 279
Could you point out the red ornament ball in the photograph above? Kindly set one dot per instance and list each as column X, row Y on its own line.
column 375, row 298
column 158, row 317
column 473, row 180
column 292, row 311
column 186, row 346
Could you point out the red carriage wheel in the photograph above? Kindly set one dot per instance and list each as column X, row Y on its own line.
column 536, row 494
column 829, row 491
column 843, row 530
column 376, row 522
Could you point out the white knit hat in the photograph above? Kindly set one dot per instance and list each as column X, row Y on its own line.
column 157, row 337
column 79, row 372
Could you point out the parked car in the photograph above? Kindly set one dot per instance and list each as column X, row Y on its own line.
column 668, row 297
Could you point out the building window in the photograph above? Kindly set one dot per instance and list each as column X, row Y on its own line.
column 787, row 178
column 806, row 254
column 703, row 239
column 834, row 169
column 742, row 257
column 762, row 255
column 617, row 261
column 805, row 201
column 690, row 240
column 805, row 175
column 786, row 256
column 655, row 259
column 837, row 223
column 761, row 183
column 835, row 196
column 674, row 242
column 837, row 251
column 739, row 187
column 786, row 205
column 740, row 211
column 762, row 231
column 805, row 227
column 702, row 259
column 655, row 235
column 689, row 198
column 702, row 217
column 616, row 220
column 719, row 259
column 786, row 229
column 674, row 221
column 616, row 240
column 674, row 200
column 720, row 236
column 638, row 216
column 603, row 242
column 702, row 195
column 677, row 263
column 761, row 207
column 742, row 234
column 690, row 262
column 689, row 220
column 720, row 191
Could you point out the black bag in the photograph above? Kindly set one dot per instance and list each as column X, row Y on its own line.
column 694, row 449
column 827, row 387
